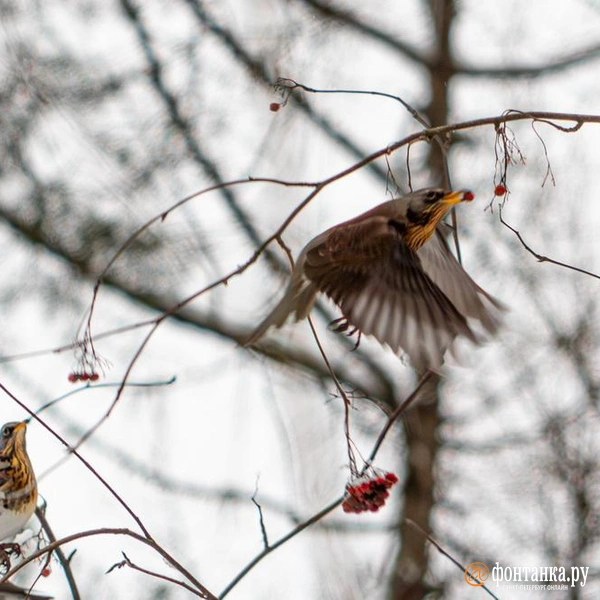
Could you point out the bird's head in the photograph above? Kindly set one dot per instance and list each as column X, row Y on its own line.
column 424, row 210
column 12, row 439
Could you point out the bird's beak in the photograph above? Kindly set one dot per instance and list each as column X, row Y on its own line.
column 458, row 196
column 21, row 425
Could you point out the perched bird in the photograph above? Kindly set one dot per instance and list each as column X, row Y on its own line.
column 18, row 499
column 393, row 276
column 18, row 487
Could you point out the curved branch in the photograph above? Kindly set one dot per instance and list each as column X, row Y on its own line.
column 64, row 561
column 258, row 71
column 388, row 39
column 272, row 350
column 548, row 68
column 181, row 124
column 401, row 409
column 541, row 257
column 111, row 531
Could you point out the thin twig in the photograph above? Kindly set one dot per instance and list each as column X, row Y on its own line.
column 396, row 414
column 160, row 218
column 293, row 533
column 126, row 562
column 541, row 257
column 342, row 392
column 263, row 529
column 168, row 313
column 422, row 135
column 447, row 555
column 290, row 84
column 89, row 466
column 51, row 547
column 549, row 172
column 335, row 503
column 96, row 386
column 62, row 558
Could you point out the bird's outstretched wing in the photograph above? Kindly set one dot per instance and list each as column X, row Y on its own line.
column 382, row 289
column 448, row 274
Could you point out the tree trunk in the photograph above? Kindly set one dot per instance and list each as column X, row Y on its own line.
column 411, row 564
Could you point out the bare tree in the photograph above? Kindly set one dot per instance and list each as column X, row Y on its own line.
column 147, row 186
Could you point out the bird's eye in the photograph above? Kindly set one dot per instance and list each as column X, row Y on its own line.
column 7, row 431
column 432, row 196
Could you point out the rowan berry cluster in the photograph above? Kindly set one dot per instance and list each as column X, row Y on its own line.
column 368, row 493
column 83, row 376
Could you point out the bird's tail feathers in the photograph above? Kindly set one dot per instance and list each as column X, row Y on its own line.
column 298, row 299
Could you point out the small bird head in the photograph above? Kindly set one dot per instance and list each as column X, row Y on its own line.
column 425, row 209
column 12, row 438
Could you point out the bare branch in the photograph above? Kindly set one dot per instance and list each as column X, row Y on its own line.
column 389, row 39
column 548, row 68
column 181, row 124
column 447, row 554
column 263, row 529
column 541, row 257
column 289, row 84
column 404, row 406
column 111, row 531
column 258, row 70
column 392, row 41
column 87, row 464
column 62, row 559
column 126, row 562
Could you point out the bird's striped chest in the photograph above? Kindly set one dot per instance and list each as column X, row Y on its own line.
column 18, row 496
column 14, row 520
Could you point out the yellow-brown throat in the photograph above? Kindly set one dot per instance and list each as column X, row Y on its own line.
column 420, row 228
column 17, row 479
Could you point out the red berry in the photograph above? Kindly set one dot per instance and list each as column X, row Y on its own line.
column 274, row 106
column 468, row 196
column 94, row 376
column 46, row 571
column 73, row 377
column 392, row 478
column 500, row 190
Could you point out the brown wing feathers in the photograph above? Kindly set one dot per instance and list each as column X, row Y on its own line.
column 416, row 300
column 381, row 288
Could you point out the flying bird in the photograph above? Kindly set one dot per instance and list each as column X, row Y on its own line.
column 393, row 276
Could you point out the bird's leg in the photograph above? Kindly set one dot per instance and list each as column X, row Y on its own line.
column 358, row 337
column 339, row 325
column 342, row 325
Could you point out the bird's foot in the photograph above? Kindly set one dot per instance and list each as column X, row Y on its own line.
column 6, row 551
column 342, row 325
